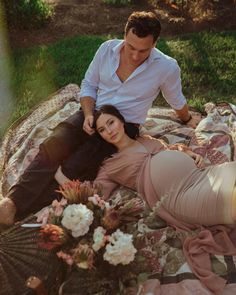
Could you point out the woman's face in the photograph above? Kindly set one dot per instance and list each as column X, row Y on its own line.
column 110, row 128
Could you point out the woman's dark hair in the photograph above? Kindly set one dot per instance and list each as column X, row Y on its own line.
column 130, row 129
column 143, row 23
column 110, row 110
column 86, row 161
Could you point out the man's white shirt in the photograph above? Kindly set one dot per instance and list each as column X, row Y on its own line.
column 134, row 96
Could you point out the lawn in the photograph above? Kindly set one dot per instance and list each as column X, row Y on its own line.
column 207, row 62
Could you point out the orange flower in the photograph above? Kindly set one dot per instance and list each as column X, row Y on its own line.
column 78, row 192
column 51, row 236
column 83, row 256
column 70, row 190
column 111, row 219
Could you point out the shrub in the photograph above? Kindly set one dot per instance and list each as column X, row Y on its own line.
column 118, row 2
column 27, row 13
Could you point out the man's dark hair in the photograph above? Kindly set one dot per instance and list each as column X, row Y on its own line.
column 143, row 23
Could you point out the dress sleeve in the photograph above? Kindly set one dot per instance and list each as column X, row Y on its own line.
column 108, row 185
column 155, row 141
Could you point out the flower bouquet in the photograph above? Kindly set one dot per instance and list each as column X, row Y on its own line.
column 87, row 231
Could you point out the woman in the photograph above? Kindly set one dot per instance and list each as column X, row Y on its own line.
column 185, row 194
column 175, row 179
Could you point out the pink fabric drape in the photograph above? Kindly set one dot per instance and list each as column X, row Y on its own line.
column 219, row 240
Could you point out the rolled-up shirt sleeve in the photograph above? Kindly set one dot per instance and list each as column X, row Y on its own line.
column 172, row 89
column 89, row 84
column 108, row 186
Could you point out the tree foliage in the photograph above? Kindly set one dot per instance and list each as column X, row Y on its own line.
column 118, row 2
column 27, row 13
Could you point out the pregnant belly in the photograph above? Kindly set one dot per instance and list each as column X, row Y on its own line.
column 169, row 171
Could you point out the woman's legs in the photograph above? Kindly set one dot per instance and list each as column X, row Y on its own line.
column 192, row 195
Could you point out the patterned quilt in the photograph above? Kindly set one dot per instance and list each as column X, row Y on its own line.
column 160, row 267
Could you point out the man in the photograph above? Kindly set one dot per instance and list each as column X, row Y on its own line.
column 127, row 73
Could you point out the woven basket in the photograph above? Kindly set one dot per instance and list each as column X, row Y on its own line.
column 21, row 257
column 97, row 282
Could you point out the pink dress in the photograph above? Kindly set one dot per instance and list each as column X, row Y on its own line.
column 187, row 194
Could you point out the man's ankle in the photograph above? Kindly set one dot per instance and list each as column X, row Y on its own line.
column 7, row 211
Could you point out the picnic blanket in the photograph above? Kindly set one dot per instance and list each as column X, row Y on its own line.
column 163, row 264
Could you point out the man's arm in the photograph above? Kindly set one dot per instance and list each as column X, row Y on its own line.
column 172, row 92
column 89, row 87
column 87, row 104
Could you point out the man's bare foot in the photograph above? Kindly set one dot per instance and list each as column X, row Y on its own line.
column 7, row 211
column 36, row 284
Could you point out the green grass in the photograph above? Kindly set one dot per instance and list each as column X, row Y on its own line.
column 207, row 62
column 208, row 66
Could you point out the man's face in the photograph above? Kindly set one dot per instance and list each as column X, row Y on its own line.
column 136, row 49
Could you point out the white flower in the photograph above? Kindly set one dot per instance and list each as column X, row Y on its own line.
column 120, row 249
column 77, row 218
column 99, row 238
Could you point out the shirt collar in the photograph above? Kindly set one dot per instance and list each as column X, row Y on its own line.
column 154, row 55
column 116, row 49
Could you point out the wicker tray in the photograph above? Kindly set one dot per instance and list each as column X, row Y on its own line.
column 21, row 257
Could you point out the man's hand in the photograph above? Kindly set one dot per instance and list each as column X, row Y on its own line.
column 189, row 119
column 88, row 124
column 87, row 104
column 196, row 118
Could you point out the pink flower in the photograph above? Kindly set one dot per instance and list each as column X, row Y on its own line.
column 59, row 206
column 66, row 257
column 97, row 201
column 43, row 216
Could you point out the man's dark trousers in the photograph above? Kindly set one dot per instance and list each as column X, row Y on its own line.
column 67, row 146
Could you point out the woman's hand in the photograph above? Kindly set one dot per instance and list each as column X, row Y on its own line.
column 60, row 177
column 198, row 159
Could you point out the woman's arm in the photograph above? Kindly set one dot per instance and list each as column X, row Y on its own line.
column 60, row 177
column 108, row 186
